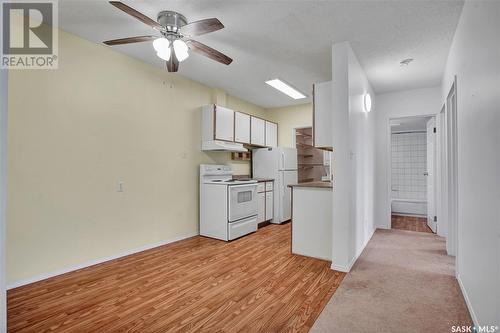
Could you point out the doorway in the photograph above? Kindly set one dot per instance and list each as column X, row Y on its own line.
column 413, row 170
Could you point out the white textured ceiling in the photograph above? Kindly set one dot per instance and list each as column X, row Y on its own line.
column 290, row 40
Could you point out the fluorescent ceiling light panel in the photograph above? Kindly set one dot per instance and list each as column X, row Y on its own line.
column 286, row 89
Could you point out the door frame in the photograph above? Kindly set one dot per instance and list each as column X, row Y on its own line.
column 452, row 170
column 389, row 163
column 3, row 194
column 441, row 181
column 434, row 182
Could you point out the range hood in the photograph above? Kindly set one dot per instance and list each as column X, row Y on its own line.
column 216, row 145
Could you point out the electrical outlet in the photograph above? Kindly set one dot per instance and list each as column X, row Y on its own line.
column 119, row 187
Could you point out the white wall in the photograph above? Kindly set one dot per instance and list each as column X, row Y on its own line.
column 475, row 59
column 289, row 118
column 398, row 104
column 120, row 120
column 353, row 158
column 340, row 159
column 3, row 156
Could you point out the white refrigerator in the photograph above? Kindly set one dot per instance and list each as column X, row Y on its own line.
column 281, row 165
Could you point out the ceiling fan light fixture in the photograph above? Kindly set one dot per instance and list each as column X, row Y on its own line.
column 175, row 31
column 181, row 49
column 161, row 44
column 164, row 54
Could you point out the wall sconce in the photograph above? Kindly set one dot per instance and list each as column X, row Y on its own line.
column 367, row 102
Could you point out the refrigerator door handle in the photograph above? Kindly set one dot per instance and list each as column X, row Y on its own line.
column 282, row 160
column 282, row 184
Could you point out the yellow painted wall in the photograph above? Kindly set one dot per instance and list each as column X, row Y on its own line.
column 75, row 132
column 288, row 118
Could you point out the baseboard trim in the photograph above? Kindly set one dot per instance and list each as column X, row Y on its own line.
column 467, row 301
column 347, row 269
column 340, row 268
column 41, row 277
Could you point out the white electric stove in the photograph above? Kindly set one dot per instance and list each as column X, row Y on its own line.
column 228, row 207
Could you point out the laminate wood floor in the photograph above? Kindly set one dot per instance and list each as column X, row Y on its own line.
column 253, row 284
column 411, row 223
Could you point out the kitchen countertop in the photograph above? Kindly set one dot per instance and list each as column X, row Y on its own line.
column 318, row 184
column 259, row 180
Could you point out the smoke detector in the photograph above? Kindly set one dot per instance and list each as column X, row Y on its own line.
column 405, row 62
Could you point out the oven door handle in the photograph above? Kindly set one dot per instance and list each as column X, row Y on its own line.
column 243, row 185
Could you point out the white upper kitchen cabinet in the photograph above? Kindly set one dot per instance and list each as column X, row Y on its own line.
column 241, row 127
column 322, row 115
column 258, row 131
column 271, row 134
column 224, row 124
column 217, row 123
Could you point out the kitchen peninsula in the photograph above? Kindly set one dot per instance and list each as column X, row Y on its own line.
column 312, row 219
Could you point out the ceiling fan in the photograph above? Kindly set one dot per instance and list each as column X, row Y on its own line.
column 175, row 41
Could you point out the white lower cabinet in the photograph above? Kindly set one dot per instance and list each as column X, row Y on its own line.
column 261, row 202
column 269, row 205
column 242, row 227
column 265, row 201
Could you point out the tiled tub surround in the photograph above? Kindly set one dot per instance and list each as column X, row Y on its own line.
column 408, row 163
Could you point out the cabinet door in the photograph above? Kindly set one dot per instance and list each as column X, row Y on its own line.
column 241, row 127
column 322, row 115
column 269, row 205
column 269, row 186
column 271, row 134
column 261, row 203
column 258, row 135
column 224, row 124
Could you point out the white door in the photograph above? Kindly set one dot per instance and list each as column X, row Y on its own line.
column 241, row 127
column 288, row 159
column 224, row 124
column 242, row 201
column 322, row 130
column 269, row 205
column 261, row 198
column 287, row 178
column 431, row 174
column 271, row 134
column 258, row 131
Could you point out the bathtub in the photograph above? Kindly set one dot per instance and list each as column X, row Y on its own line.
column 409, row 207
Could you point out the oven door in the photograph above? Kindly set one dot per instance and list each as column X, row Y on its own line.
column 242, row 201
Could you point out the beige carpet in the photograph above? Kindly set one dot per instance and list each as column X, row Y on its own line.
column 402, row 282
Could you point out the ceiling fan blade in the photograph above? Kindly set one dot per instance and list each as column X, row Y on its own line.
column 201, row 27
column 209, row 52
column 172, row 63
column 129, row 40
column 141, row 17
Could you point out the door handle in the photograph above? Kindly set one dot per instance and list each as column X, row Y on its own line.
column 426, row 173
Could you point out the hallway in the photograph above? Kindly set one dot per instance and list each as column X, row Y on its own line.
column 410, row 223
column 402, row 279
